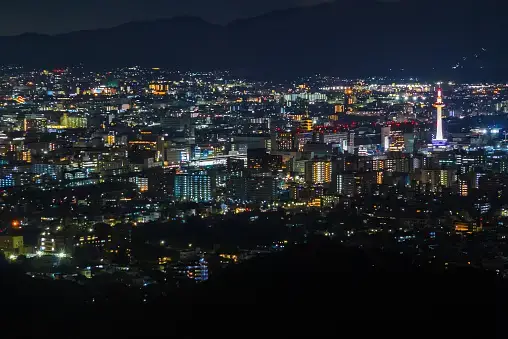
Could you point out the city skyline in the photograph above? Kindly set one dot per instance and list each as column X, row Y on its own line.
column 216, row 167
column 158, row 187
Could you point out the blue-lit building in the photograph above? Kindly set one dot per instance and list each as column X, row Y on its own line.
column 196, row 186
column 7, row 181
column 54, row 171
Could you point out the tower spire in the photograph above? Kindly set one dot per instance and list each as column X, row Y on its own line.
column 439, row 140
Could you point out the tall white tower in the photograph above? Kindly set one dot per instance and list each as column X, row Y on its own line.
column 439, row 140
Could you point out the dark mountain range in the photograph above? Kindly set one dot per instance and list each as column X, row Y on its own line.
column 448, row 38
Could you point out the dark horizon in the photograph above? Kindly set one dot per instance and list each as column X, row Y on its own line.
column 345, row 38
column 61, row 17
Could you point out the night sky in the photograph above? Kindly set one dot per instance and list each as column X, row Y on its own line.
column 59, row 16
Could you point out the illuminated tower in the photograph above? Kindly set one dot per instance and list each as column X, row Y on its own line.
column 439, row 140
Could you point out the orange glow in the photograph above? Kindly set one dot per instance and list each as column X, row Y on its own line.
column 15, row 224
column 461, row 227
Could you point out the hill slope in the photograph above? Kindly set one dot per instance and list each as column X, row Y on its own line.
column 316, row 289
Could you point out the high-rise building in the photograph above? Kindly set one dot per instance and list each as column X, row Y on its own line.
column 110, row 139
column 351, row 144
column 385, row 137
column 141, row 182
column 346, row 184
column 396, row 141
column 161, row 149
column 286, row 141
column 431, row 178
column 306, row 124
column 409, row 142
column 463, row 184
column 7, row 181
column 196, row 186
column 318, row 171
column 235, row 165
column 447, row 177
column 397, row 164
column 24, row 155
column 260, row 161
column 261, row 188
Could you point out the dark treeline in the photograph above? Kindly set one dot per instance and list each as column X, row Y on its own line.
column 319, row 288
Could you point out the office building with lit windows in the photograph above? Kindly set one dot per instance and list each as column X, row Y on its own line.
column 397, row 141
column 262, row 188
column 72, row 122
column 463, row 185
column 52, row 170
column 141, row 183
column 49, row 243
column 318, row 171
column 311, row 97
column 258, row 160
column 159, row 88
column 195, row 186
column 7, row 181
column 12, row 245
column 286, row 141
column 306, row 124
column 34, row 123
column 252, row 188
column 346, row 184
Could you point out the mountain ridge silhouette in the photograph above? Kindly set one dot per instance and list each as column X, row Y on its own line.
column 344, row 38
